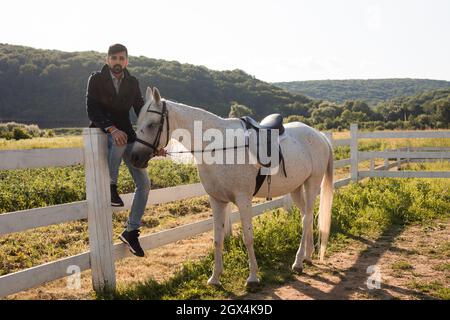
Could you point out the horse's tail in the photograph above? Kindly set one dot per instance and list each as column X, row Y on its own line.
column 326, row 200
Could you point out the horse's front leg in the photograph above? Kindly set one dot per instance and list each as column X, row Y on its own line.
column 244, row 204
column 220, row 211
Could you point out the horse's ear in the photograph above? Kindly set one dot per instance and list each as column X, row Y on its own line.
column 156, row 95
column 148, row 94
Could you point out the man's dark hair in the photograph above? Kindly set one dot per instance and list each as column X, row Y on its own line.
column 116, row 48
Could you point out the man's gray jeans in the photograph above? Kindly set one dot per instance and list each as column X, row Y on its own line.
column 140, row 178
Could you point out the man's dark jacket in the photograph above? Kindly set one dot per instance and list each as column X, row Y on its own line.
column 106, row 108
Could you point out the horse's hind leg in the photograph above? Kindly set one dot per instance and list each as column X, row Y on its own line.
column 298, row 196
column 306, row 204
column 220, row 210
column 244, row 204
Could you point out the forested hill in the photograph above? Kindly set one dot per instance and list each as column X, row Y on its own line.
column 47, row 87
column 370, row 91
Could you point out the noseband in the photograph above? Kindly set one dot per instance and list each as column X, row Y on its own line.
column 164, row 117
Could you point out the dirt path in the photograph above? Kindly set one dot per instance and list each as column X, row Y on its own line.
column 413, row 264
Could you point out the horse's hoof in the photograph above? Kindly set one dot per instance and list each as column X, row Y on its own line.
column 308, row 262
column 297, row 269
column 214, row 282
column 253, row 284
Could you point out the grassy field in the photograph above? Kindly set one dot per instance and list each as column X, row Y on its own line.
column 41, row 143
column 30, row 188
column 367, row 208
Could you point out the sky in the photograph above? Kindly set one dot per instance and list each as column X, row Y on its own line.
column 273, row 40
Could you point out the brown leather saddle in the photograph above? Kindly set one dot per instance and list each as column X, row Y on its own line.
column 271, row 122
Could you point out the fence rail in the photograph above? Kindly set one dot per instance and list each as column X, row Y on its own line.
column 403, row 134
column 340, row 142
column 40, row 217
column 410, row 154
column 341, row 163
column 40, row 158
column 103, row 253
column 364, row 155
column 165, row 195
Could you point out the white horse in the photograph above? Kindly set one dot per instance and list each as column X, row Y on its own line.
column 308, row 160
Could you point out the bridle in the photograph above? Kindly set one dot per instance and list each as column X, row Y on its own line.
column 164, row 117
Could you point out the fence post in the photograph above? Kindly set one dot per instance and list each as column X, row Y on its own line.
column 354, row 151
column 99, row 210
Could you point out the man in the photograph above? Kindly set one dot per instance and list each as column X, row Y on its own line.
column 110, row 95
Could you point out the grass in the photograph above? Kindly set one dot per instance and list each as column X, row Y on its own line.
column 401, row 266
column 41, row 143
column 433, row 288
column 67, row 131
column 358, row 210
column 190, row 282
column 36, row 246
column 443, row 267
column 32, row 188
column 442, row 252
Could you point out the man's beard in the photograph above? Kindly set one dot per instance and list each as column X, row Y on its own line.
column 117, row 69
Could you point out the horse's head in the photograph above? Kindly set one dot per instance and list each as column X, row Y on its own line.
column 152, row 129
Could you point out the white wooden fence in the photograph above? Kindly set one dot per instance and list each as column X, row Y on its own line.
column 403, row 155
column 97, row 210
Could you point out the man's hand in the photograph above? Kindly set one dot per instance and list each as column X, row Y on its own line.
column 161, row 153
column 119, row 137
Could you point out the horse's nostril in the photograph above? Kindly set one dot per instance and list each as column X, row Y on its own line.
column 134, row 157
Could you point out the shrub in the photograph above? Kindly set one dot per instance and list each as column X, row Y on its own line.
column 19, row 133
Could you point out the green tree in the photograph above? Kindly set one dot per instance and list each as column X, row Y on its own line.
column 296, row 118
column 20, row 133
column 239, row 110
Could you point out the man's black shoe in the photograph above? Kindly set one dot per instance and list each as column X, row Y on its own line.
column 131, row 239
column 115, row 198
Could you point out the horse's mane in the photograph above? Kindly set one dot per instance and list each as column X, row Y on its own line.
column 209, row 113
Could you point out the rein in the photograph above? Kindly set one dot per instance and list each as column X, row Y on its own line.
column 207, row 150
